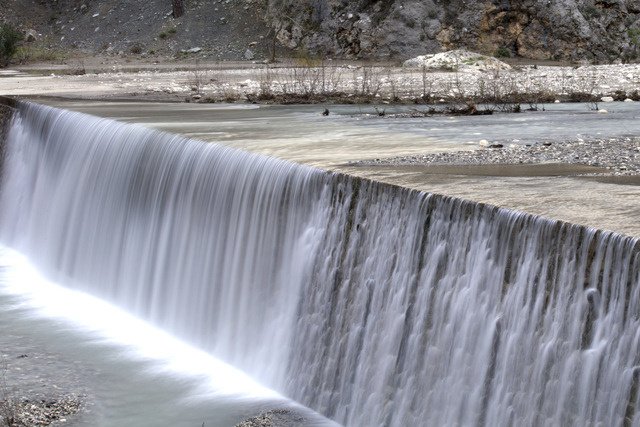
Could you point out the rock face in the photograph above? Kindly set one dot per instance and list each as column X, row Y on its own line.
column 594, row 30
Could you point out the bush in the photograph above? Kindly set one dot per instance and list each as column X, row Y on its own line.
column 502, row 52
column 9, row 39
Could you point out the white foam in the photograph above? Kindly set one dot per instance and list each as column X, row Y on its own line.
column 106, row 323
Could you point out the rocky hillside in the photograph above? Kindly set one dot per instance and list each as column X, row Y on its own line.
column 595, row 30
column 223, row 29
column 571, row 30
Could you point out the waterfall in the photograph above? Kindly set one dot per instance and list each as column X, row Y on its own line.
column 373, row 304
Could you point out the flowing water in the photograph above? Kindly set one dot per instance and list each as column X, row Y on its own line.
column 355, row 132
column 371, row 304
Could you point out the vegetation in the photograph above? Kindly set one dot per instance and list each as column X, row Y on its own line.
column 502, row 52
column 10, row 37
column 305, row 80
column 634, row 34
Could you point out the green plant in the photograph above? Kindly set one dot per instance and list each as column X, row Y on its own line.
column 502, row 52
column 590, row 12
column 162, row 35
column 305, row 59
column 30, row 52
column 172, row 30
column 9, row 39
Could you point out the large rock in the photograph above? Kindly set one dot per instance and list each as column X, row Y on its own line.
column 30, row 35
column 458, row 60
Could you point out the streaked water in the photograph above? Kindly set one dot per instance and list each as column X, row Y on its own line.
column 355, row 132
column 134, row 374
column 372, row 304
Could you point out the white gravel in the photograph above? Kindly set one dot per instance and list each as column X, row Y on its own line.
column 382, row 83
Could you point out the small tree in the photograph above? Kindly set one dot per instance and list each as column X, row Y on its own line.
column 277, row 15
column 634, row 41
column 178, row 8
column 9, row 39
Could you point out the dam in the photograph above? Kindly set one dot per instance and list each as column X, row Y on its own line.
column 371, row 304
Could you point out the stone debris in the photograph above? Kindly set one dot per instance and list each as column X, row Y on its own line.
column 37, row 413
column 619, row 155
column 274, row 418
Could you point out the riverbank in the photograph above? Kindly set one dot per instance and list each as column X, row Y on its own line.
column 614, row 156
column 39, row 387
column 303, row 81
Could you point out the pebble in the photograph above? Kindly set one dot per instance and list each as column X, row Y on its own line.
column 274, row 418
column 620, row 155
column 39, row 413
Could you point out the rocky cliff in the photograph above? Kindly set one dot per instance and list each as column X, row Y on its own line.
column 573, row 30
column 601, row 31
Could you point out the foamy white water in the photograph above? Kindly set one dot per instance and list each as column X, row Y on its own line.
column 372, row 304
column 109, row 324
column 139, row 375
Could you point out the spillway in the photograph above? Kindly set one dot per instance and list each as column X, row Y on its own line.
column 374, row 305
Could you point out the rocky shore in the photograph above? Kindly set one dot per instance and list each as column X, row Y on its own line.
column 114, row 77
column 620, row 156
column 39, row 387
column 274, row 418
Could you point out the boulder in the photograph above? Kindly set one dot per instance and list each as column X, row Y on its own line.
column 458, row 60
column 31, row 35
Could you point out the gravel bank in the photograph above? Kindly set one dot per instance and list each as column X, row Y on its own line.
column 621, row 156
column 167, row 80
column 274, row 418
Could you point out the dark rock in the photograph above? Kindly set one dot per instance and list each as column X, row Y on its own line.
column 572, row 30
